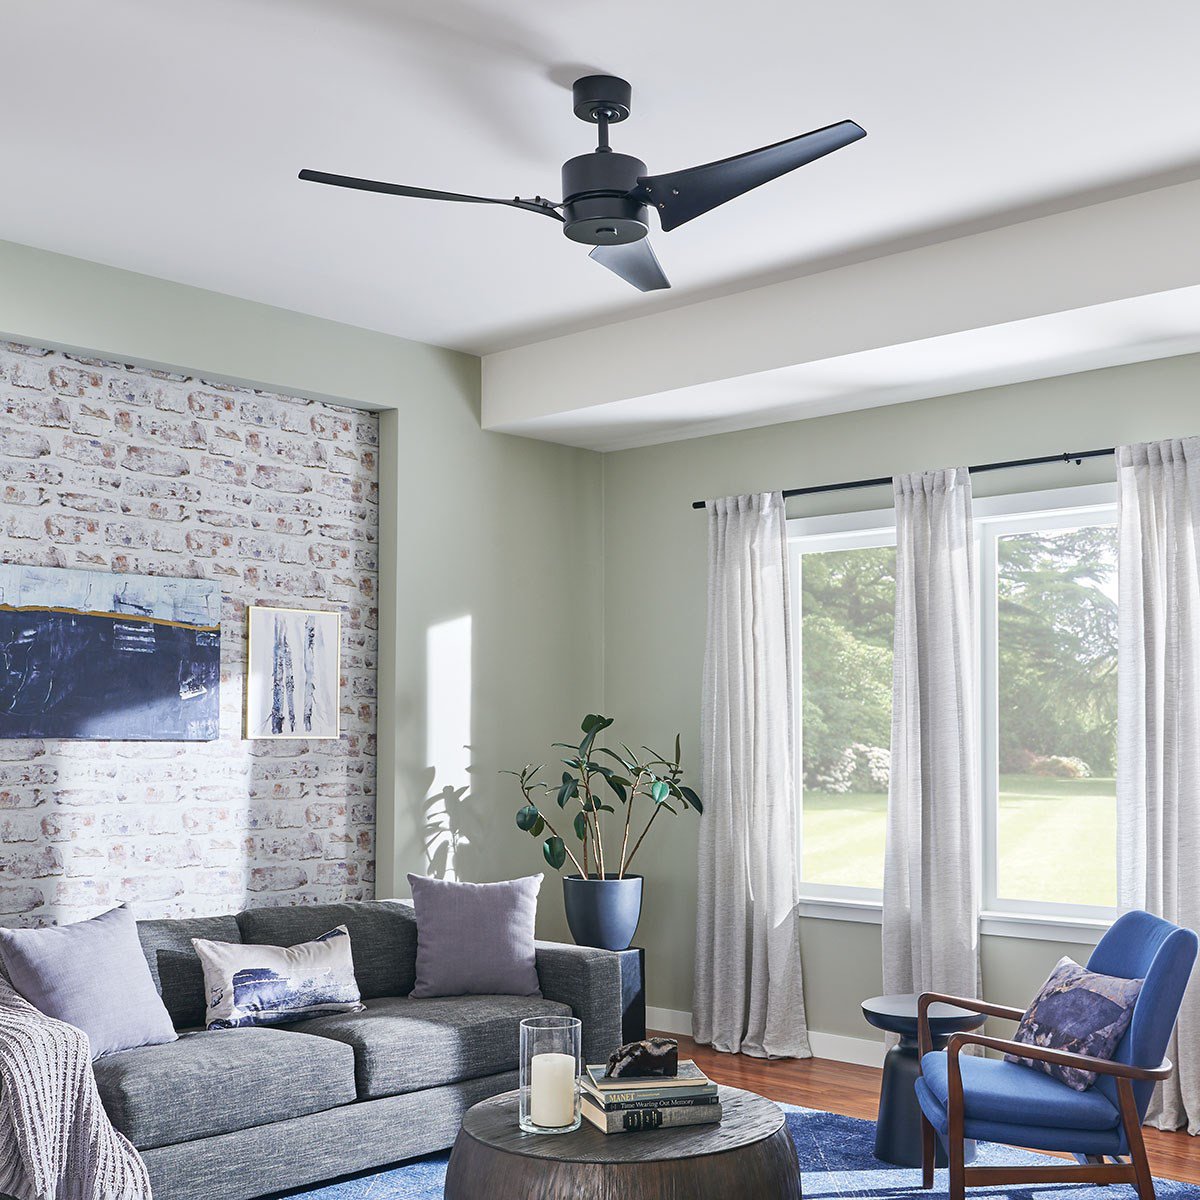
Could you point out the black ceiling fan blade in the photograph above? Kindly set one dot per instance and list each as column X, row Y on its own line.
column 537, row 205
column 682, row 195
column 634, row 262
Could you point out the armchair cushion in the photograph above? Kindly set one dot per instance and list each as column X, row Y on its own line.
column 1079, row 1011
column 1008, row 1093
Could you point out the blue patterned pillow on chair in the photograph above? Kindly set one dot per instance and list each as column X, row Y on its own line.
column 1080, row 1012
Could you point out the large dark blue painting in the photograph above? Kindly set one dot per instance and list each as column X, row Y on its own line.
column 84, row 654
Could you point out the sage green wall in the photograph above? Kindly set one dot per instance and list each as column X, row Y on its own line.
column 485, row 526
column 654, row 553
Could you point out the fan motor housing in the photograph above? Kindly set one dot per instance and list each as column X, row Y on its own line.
column 597, row 207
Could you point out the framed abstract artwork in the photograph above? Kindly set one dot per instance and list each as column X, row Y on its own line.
column 293, row 673
column 91, row 655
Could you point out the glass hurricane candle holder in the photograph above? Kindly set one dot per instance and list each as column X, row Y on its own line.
column 550, row 1067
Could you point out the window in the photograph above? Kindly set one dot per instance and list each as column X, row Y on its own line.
column 845, row 583
column 1047, row 624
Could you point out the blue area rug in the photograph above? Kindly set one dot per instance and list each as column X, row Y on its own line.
column 836, row 1160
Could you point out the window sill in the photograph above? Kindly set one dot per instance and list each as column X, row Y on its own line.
column 1085, row 931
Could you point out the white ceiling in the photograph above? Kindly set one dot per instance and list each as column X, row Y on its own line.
column 164, row 137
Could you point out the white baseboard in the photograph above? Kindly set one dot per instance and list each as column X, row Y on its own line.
column 863, row 1051
column 669, row 1020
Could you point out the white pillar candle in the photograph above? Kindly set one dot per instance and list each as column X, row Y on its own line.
column 552, row 1090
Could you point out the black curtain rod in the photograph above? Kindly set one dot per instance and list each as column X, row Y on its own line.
column 1076, row 456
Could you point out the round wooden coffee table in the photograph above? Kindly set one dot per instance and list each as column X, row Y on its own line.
column 749, row 1155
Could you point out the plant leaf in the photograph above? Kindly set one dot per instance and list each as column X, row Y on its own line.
column 593, row 723
column 581, row 826
column 555, row 850
column 538, row 826
column 659, row 791
column 670, row 810
column 569, row 789
column 613, row 754
column 618, row 788
column 678, row 750
column 527, row 817
column 691, row 798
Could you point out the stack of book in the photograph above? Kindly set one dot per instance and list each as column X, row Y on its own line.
column 657, row 1102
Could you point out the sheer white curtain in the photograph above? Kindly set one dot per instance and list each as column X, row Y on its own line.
column 930, row 885
column 749, row 993
column 1158, row 720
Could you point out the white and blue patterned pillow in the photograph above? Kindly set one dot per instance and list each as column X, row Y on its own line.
column 270, row 985
column 1079, row 1011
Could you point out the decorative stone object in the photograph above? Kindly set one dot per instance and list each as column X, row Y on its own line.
column 643, row 1060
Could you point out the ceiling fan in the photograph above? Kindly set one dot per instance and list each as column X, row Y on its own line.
column 606, row 195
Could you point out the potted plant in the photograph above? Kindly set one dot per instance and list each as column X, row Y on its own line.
column 603, row 905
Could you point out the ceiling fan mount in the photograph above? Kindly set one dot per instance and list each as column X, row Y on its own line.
column 607, row 196
column 601, row 98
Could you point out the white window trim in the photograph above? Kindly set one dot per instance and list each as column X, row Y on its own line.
column 1083, row 925
column 1082, row 931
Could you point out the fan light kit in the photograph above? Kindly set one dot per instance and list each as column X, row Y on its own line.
column 607, row 196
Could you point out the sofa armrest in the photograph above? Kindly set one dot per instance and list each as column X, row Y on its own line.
column 589, row 981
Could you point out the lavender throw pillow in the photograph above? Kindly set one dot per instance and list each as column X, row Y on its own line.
column 475, row 938
column 92, row 975
column 1081, row 1012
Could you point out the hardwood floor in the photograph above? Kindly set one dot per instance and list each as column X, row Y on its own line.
column 844, row 1088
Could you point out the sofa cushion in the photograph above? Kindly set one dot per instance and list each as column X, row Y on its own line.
column 175, row 965
column 402, row 1045
column 995, row 1090
column 211, row 1083
column 91, row 975
column 382, row 932
column 475, row 939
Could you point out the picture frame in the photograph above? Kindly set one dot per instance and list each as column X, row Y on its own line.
column 293, row 673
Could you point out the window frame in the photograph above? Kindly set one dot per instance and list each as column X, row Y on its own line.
column 993, row 517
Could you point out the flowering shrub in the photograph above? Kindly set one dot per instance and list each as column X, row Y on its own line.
column 1059, row 766
column 857, row 768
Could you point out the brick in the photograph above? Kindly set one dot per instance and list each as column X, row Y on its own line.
column 276, row 879
column 20, row 899
column 153, row 461
column 88, row 451
column 208, row 406
column 281, row 479
column 40, row 412
column 20, row 443
column 75, row 381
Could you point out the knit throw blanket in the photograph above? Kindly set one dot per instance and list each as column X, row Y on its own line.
column 56, row 1141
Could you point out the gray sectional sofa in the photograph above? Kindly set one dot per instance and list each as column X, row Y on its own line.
column 235, row 1114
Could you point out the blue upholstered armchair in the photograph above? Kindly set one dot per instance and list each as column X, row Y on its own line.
column 963, row 1096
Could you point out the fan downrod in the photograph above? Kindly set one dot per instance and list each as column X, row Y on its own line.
column 601, row 97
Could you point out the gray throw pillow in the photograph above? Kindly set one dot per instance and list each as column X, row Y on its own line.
column 1079, row 1011
column 475, row 938
column 92, row 975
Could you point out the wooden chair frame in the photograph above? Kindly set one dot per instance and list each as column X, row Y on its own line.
column 1136, row 1171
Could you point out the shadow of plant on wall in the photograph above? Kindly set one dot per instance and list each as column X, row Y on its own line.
column 446, row 834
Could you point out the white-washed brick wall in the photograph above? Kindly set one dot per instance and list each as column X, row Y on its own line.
column 115, row 468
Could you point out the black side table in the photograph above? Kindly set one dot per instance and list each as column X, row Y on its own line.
column 898, row 1129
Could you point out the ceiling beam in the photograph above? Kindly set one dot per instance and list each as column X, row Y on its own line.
column 1136, row 246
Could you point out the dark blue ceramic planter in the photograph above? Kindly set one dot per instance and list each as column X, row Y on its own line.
column 603, row 912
